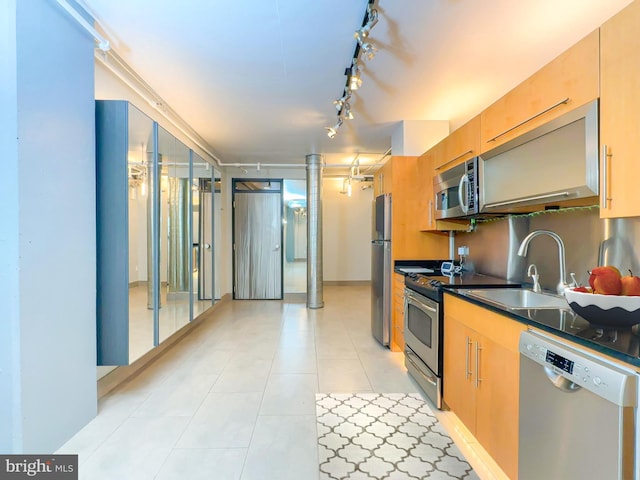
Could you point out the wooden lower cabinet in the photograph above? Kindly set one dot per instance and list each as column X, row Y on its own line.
column 481, row 377
column 397, row 314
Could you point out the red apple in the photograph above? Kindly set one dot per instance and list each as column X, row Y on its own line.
column 630, row 285
column 606, row 280
column 581, row 289
column 599, row 271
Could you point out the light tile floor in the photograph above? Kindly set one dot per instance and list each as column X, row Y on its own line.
column 235, row 399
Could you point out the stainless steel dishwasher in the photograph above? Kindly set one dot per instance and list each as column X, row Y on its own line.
column 577, row 413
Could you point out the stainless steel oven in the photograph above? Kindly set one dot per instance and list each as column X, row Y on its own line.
column 423, row 324
column 422, row 335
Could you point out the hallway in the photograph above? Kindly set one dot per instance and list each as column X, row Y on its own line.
column 235, row 399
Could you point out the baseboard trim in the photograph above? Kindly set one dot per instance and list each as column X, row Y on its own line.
column 343, row 283
column 123, row 373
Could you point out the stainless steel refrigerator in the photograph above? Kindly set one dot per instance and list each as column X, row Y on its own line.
column 381, row 269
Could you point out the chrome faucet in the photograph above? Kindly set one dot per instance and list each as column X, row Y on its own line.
column 522, row 251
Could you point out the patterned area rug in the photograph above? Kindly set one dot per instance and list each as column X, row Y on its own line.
column 371, row 436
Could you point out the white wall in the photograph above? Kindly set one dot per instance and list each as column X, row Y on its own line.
column 346, row 232
column 414, row 137
column 48, row 243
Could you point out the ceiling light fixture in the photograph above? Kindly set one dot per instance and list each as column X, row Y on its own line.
column 369, row 50
column 348, row 113
column 353, row 73
column 371, row 20
column 332, row 131
column 343, row 100
column 354, row 78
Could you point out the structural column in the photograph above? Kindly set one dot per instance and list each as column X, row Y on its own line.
column 314, row 231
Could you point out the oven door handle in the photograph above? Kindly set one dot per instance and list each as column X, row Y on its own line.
column 410, row 299
column 421, row 306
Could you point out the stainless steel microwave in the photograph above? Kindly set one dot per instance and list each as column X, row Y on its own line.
column 456, row 190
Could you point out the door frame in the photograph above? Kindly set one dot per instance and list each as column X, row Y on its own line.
column 234, row 181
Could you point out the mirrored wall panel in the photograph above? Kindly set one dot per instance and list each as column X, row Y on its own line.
column 157, row 206
column 175, row 224
column 140, row 207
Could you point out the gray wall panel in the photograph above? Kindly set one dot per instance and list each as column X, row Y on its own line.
column 112, row 228
column 53, row 369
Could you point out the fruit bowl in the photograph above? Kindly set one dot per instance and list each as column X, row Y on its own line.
column 605, row 310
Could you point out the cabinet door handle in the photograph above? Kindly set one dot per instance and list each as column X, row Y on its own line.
column 555, row 105
column 527, row 199
column 478, row 379
column 605, row 176
column 454, row 159
column 430, row 212
column 466, row 359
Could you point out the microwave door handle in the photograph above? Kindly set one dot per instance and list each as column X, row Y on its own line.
column 463, row 205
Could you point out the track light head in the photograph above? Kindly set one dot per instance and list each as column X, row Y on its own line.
column 354, row 78
column 363, row 32
column 348, row 114
column 368, row 50
column 332, row 131
column 372, row 16
column 342, row 100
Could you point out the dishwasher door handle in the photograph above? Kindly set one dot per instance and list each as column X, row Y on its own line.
column 561, row 382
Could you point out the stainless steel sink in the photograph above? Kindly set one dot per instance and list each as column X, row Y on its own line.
column 518, row 299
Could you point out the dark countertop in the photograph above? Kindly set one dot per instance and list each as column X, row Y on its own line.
column 430, row 264
column 620, row 343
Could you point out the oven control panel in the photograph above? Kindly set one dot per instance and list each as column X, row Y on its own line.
column 582, row 368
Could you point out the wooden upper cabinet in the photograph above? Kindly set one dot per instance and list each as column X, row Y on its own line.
column 461, row 145
column 619, row 117
column 567, row 82
column 382, row 179
column 426, row 209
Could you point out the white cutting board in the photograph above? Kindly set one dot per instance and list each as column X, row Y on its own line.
column 415, row 270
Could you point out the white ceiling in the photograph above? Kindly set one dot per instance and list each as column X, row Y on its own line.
column 256, row 79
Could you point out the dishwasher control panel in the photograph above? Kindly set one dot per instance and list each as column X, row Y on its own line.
column 582, row 368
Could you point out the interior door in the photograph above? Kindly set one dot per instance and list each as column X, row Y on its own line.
column 257, row 214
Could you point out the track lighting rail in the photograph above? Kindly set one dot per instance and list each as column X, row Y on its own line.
column 353, row 72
